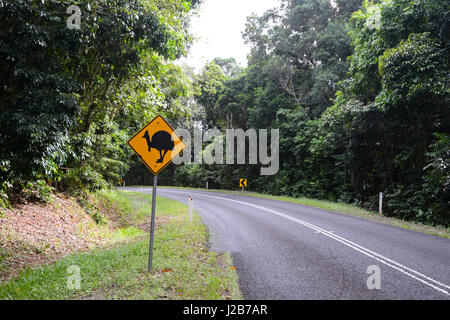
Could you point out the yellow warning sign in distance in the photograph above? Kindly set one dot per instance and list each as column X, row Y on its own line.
column 156, row 144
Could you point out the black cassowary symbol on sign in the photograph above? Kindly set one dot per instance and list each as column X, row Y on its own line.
column 161, row 141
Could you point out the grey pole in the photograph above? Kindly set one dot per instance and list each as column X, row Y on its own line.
column 152, row 226
column 380, row 204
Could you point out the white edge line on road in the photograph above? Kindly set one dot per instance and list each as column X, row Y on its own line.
column 389, row 262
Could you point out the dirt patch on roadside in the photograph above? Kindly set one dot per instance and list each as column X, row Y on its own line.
column 33, row 234
column 159, row 222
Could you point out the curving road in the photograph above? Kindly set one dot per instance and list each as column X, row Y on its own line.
column 288, row 251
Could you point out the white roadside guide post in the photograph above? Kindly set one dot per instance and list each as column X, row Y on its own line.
column 191, row 207
column 156, row 145
column 380, row 205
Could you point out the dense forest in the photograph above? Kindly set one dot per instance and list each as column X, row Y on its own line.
column 71, row 97
column 358, row 89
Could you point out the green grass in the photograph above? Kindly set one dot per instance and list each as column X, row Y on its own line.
column 3, row 256
column 135, row 207
column 341, row 207
column 183, row 268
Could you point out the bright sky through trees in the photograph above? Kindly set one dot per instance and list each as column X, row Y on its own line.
column 218, row 30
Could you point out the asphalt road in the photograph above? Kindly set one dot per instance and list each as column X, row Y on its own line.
column 288, row 251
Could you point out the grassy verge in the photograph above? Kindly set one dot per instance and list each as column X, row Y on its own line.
column 344, row 208
column 183, row 266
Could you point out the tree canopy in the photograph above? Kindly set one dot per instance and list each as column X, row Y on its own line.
column 360, row 93
column 71, row 96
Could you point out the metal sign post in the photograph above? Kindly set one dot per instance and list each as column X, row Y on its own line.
column 152, row 225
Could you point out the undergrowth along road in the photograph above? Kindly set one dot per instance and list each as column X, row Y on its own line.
column 183, row 266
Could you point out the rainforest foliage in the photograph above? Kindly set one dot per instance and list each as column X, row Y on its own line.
column 360, row 93
column 71, row 97
column 358, row 89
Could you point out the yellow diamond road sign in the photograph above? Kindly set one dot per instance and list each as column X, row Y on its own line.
column 156, row 144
